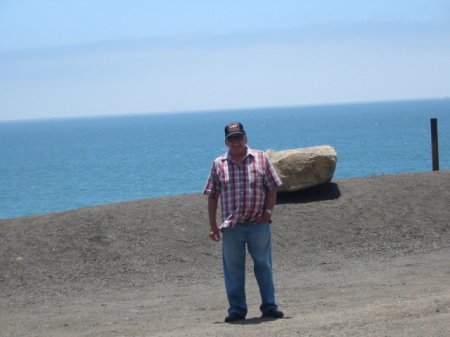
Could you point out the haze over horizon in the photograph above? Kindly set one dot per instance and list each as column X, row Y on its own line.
column 67, row 59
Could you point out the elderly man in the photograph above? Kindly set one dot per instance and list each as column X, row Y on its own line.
column 246, row 182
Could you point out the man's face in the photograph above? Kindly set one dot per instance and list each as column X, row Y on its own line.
column 237, row 144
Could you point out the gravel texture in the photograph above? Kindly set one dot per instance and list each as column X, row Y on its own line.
column 356, row 257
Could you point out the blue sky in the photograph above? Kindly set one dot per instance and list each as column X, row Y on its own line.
column 84, row 58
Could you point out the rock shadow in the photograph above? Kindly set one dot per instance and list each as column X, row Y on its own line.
column 327, row 191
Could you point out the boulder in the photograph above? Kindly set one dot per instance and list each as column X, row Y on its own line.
column 304, row 167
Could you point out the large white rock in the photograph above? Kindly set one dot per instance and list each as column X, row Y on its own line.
column 304, row 167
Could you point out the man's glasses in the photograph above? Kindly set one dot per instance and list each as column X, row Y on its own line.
column 236, row 138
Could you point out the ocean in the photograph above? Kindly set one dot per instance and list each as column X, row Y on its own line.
column 53, row 165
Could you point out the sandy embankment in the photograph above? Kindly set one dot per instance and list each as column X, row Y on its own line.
column 358, row 257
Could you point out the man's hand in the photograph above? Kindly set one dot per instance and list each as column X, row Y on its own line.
column 214, row 234
column 263, row 219
column 271, row 198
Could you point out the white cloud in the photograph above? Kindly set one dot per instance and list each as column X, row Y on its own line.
column 308, row 65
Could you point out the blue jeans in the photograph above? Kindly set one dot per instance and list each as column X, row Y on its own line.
column 257, row 238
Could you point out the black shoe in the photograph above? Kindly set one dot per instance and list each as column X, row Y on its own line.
column 233, row 317
column 273, row 313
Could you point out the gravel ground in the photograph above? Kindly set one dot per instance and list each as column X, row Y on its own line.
column 356, row 257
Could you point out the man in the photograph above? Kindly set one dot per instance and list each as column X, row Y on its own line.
column 246, row 182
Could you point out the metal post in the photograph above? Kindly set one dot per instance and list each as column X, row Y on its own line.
column 434, row 144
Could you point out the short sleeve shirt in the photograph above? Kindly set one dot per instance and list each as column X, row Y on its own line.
column 242, row 187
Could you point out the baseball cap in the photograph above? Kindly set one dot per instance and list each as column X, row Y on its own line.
column 234, row 128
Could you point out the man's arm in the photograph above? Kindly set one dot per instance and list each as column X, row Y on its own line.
column 214, row 232
column 271, row 198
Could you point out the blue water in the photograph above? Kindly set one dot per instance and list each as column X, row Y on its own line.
column 55, row 165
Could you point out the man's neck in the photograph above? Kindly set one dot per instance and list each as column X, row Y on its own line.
column 238, row 158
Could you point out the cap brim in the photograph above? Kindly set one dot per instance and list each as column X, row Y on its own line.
column 235, row 133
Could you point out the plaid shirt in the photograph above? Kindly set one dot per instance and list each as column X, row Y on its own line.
column 243, row 187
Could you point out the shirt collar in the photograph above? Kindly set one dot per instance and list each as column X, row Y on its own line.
column 250, row 153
